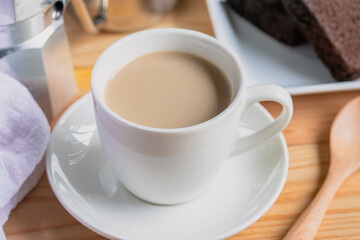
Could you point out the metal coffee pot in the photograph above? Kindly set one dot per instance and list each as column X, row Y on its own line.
column 35, row 51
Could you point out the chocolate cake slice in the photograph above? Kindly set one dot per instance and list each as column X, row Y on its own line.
column 333, row 28
column 271, row 17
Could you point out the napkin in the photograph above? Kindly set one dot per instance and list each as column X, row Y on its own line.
column 24, row 134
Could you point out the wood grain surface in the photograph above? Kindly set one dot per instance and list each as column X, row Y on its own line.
column 40, row 215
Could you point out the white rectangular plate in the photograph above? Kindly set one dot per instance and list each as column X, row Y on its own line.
column 267, row 61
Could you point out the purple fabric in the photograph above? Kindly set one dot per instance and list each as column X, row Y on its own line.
column 24, row 134
column 6, row 12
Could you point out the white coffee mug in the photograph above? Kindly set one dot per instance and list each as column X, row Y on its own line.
column 171, row 166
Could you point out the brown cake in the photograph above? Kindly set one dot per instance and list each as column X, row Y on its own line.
column 271, row 17
column 333, row 28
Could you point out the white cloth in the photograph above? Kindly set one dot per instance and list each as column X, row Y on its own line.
column 24, row 135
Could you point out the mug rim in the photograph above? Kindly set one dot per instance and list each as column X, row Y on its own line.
column 189, row 33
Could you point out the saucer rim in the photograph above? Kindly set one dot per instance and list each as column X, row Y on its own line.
column 229, row 233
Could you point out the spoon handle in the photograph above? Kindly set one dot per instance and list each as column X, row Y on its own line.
column 307, row 225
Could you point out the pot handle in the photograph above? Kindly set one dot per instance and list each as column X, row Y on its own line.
column 90, row 25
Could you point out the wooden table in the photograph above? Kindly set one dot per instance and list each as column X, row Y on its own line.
column 40, row 215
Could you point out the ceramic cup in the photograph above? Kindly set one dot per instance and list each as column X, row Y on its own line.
column 172, row 166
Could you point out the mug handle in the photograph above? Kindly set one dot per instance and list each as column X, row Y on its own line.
column 256, row 94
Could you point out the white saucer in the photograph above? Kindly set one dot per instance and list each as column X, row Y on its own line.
column 78, row 173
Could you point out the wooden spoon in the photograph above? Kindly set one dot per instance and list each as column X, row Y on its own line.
column 345, row 160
